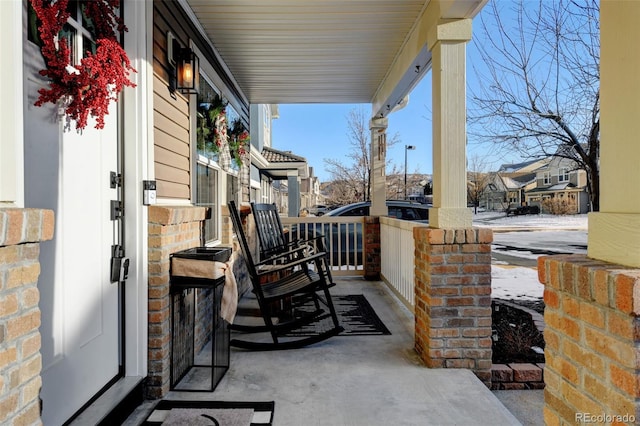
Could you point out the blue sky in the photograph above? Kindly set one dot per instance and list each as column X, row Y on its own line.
column 319, row 131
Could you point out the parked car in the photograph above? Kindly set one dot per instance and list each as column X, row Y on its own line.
column 400, row 209
column 319, row 209
column 343, row 236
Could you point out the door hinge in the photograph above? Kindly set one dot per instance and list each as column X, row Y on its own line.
column 115, row 179
column 117, row 210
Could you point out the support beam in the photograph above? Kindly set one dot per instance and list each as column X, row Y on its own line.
column 447, row 42
column 293, row 183
column 378, row 157
column 614, row 232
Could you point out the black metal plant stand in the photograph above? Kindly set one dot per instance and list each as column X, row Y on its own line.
column 183, row 321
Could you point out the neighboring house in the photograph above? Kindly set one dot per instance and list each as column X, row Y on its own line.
column 553, row 179
column 503, row 192
column 559, row 185
column 261, row 119
column 506, row 187
column 310, row 194
column 285, row 166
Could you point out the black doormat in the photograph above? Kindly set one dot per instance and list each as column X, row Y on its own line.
column 354, row 313
column 237, row 413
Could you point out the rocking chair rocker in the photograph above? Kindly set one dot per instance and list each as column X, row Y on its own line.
column 288, row 277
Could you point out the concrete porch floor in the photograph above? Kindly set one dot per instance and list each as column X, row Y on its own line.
column 361, row 380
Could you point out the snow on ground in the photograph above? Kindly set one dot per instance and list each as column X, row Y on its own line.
column 510, row 282
column 515, row 283
column 499, row 220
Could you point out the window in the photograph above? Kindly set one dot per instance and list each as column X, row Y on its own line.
column 563, row 175
column 79, row 31
column 546, row 178
column 207, row 173
column 357, row 211
column 207, row 196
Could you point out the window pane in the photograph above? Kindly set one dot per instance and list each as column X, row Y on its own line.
column 206, row 195
column 207, row 99
column 69, row 33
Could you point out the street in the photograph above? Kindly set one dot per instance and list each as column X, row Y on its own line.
column 522, row 248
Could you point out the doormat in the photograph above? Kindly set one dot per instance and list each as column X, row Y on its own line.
column 196, row 413
column 355, row 315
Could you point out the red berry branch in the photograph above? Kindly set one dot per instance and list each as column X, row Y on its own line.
column 86, row 88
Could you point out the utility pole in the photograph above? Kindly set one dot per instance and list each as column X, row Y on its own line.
column 406, row 148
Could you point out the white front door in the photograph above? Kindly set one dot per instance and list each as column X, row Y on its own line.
column 69, row 172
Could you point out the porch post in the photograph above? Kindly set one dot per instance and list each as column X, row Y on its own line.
column 453, row 263
column 614, row 232
column 378, row 127
column 592, row 308
column 447, row 43
column 293, row 183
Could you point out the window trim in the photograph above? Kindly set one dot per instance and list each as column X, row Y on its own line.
column 563, row 174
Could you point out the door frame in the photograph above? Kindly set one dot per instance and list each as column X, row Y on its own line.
column 137, row 133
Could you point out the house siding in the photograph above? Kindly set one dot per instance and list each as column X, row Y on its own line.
column 171, row 128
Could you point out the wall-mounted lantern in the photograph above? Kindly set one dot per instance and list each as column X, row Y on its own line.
column 188, row 71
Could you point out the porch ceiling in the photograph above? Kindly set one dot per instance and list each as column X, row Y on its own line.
column 325, row 51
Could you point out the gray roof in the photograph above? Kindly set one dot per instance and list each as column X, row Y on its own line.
column 554, row 188
column 275, row 156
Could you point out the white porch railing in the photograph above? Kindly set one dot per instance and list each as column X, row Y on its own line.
column 398, row 251
column 343, row 237
column 345, row 243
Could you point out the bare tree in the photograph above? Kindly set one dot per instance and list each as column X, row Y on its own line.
column 356, row 174
column 477, row 180
column 538, row 92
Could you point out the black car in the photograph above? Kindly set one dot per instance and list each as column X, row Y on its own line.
column 345, row 240
column 399, row 209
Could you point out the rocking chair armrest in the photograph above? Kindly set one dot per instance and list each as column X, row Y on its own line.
column 281, row 255
column 317, row 239
column 316, row 257
column 300, row 242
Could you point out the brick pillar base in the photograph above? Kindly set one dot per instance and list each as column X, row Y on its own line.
column 21, row 231
column 372, row 261
column 453, row 298
column 171, row 229
column 592, row 336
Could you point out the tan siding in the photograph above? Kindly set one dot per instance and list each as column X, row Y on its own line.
column 170, row 126
column 172, row 174
column 169, row 158
column 171, row 143
column 170, row 112
column 172, row 190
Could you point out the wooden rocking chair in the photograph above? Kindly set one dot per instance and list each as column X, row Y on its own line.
column 273, row 238
column 272, row 286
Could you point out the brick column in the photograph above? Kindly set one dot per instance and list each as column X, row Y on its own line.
column 592, row 340
column 171, row 229
column 371, row 249
column 453, row 298
column 21, row 231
